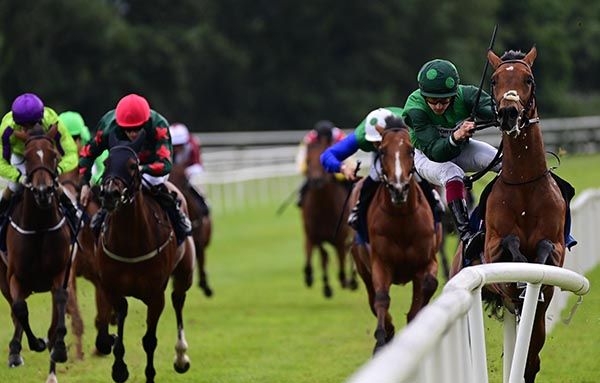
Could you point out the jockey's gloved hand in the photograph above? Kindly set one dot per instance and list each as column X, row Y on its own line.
column 464, row 130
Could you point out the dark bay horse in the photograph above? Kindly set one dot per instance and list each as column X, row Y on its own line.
column 322, row 207
column 525, row 213
column 38, row 242
column 403, row 239
column 201, row 224
column 136, row 254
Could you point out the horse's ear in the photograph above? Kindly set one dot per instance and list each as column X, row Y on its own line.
column 52, row 131
column 21, row 135
column 530, row 57
column 493, row 59
column 136, row 145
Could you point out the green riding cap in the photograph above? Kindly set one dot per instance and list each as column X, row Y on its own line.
column 75, row 125
column 438, row 78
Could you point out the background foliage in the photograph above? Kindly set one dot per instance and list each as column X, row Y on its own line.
column 261, row 65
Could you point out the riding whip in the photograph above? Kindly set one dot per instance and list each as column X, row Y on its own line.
column 286, row 202
column 485, row 68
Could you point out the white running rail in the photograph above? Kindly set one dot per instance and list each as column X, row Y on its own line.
column 446, row 342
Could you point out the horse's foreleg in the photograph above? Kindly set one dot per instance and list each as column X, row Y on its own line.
column 58, row 328
column 104, row 313
column 364, row 272
column 182, row 280
column 21, row 312
column 510, row 245
column 155, row 307
column 119, row 368
column 381, row 284
column 543, row 249
column 200, row 258
column 424, row 285
column 14, row 354
column 327, row 291
column 308, row 270
column 73, row 311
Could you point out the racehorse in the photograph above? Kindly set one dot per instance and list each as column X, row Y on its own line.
column 402, row 237
column 525, row 213
column 322, row 208
column 38, row 242
column 136, row 254
column 201, row 223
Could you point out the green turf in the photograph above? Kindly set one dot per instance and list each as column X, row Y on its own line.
column 263, row 324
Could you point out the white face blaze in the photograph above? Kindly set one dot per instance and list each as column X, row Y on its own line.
column 511, row 95
column 398, row 170
column 40, row 154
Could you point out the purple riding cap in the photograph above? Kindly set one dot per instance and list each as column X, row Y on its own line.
column 27, row 108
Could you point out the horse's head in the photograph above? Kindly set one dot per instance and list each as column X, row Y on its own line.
column 41, row 161
column 397, row 158
column 513, row 89
column 121, row 174
column 315, row 173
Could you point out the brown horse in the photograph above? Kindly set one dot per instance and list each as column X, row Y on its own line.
column 201, row 223
column 525, row 213
column 402, row 236
column 38, row 242
column 136, row 254
column 322, row 207
column 84, row 261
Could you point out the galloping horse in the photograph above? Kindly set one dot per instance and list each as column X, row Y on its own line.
column 403, row 239
column 322, row 207
column 136, row 254
column 525, row 214
column 38, row 242
column 201, row 223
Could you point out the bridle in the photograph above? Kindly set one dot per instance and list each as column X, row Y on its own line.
column 398, row 195
column 53, row 173
column 524, row 119
column 130, row 181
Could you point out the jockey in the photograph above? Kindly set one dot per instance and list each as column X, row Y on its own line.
column 27, row 111
column 187, row 152
column 132, row 115
column 81, row 134
column 322, row 128
column 367, row 138
column 441, row 132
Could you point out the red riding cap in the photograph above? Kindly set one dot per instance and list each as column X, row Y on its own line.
column 132, row 111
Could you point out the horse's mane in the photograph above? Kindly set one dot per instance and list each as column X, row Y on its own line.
column 393, row 122
column 512, row 55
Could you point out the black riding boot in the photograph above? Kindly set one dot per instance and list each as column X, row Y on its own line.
column 367, row 191
column 204, row 208
column 302, row 192
column 168, row 200
column 69, row 210
column 472, row 241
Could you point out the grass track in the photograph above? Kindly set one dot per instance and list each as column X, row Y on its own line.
column 264, row 326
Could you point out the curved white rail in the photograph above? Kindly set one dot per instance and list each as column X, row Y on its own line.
column 446, row 342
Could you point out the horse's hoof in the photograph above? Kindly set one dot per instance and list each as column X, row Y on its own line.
column 206, row 289
column 327, row 292
column 104, row 344
column 353, row 285
column 182, row 367
column 59, row 353
column 38, row 345
column 15, row 360
column 119, row 372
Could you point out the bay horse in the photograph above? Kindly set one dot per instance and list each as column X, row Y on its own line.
column 322, row 207
column 403, row 240
column 525, row 211
column 38, row 242
column 136, row 254
column 201, row 224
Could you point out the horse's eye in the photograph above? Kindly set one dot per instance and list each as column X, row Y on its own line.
column 529, row 80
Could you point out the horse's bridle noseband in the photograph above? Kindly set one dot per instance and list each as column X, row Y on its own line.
column 524, row 115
